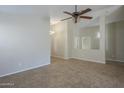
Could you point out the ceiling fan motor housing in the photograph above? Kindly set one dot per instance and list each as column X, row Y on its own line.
column 77, row 15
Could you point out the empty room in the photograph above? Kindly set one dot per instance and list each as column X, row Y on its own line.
column 61, row 46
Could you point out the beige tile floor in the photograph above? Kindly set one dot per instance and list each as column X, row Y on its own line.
column 68, row 74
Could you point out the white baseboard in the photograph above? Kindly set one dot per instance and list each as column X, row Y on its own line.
column 90, row 60
column 84, row 59
column 59, row 57
column 114, row 60
column 30, row 68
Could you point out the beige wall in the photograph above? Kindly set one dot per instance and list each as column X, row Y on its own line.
column 59, row 40
column 63, row 42
column 91, row 32
column 72, row 31
column 92, row 54
column 115, row 41
column 114, row 35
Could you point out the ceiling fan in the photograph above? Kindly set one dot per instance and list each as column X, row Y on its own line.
column 77, row 14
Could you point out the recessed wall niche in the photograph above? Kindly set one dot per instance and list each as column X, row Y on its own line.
column 89, row 37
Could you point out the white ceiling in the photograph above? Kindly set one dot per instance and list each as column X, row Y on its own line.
column 24, row 9
column 56, row 11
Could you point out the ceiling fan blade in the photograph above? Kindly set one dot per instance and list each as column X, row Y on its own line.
column 68, row 13
column 66, row 18
column 86, row 17
column 85, row 11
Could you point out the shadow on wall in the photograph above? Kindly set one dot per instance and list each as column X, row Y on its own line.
column 114, row 35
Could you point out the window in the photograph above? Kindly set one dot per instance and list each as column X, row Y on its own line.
column 86, row 41
column 76, row 42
